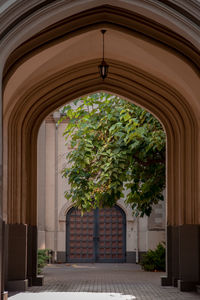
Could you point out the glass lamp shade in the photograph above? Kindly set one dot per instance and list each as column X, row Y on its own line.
column 103, row 69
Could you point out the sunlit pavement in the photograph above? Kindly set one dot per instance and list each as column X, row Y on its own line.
column 72, row 296
column 101, row 281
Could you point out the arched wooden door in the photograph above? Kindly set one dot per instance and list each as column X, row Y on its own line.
column 97, row 236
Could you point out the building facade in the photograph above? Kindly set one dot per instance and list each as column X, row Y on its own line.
column 132, row 236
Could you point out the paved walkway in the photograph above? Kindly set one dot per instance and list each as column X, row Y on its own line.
column 101, row 281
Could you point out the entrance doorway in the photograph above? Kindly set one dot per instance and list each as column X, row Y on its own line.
column 97, row 236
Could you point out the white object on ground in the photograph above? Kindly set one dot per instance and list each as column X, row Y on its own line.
column 71, row 296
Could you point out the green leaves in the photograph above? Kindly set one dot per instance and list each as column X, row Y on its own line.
column 154, row 260
column 113, row 142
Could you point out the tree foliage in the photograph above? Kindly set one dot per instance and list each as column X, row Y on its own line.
column 116, row 145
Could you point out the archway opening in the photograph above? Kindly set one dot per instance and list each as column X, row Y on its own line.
column 109, row 226
column 54, row 229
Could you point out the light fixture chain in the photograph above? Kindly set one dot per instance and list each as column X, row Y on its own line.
column 103, row 67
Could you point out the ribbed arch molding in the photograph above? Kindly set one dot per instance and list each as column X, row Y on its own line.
column 98, row 17
column 180, row 16
column 167, row 104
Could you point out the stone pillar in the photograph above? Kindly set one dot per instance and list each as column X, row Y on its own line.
column 4, row 260
column 167, row 280
column 33, row 279
column 32, row 254
column 175, row 255
column 17, row 257
column 1, row 254
column 41, row 185
column 183, row 257
column 189, row 257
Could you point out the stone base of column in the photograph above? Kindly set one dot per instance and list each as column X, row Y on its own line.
column 198, row 289
column 175, row 282
column 166, row 281
column 38, row 281
column 186, row 286
column 33, row 278
column 17, row 285
column 4, row 296
column 183, row 257
column 17, row 258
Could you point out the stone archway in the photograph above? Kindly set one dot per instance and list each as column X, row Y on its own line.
column 156, row 100
column 171, row 93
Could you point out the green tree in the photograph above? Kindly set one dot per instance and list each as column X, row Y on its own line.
column 116, row 145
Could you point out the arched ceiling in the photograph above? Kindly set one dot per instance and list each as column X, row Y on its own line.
column 146, row 90
column 119, row 46
column 132, row 38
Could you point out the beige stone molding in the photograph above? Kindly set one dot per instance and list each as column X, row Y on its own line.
column 103, row 16
column 178, row 15
column 68, row 205
column 63, row 211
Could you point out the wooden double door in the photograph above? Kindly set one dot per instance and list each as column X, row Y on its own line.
column 97, row 236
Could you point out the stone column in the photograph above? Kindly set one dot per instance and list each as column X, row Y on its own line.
column 32, row 236
column 3, row 228
column 189, row 257
column 1, row 254
column 41, row 185
column 17, row 257
column 4, row 260
column 22, row 257
column 183, row 257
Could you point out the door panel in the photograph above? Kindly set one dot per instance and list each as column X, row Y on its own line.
column 80, row 232
column 97, row 236
column 111, row 236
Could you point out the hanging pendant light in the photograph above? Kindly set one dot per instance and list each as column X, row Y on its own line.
column 103, row 67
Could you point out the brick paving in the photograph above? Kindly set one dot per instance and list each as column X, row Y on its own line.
column 101, row 281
